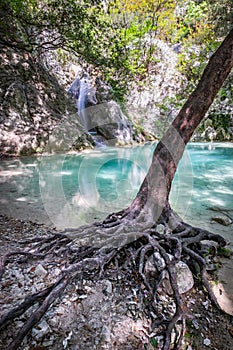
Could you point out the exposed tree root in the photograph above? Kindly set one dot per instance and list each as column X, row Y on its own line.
column 96, row 246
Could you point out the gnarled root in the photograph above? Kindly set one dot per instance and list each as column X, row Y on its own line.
column 86, row 254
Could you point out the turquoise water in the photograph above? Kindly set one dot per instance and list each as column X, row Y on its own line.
column 71, row 190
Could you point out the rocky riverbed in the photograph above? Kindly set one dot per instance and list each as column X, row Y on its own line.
column 100, row 313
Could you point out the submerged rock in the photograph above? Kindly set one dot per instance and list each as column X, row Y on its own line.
column 223, row 220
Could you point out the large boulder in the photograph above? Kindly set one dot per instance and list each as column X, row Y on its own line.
column 108, row 120
column 99, row 113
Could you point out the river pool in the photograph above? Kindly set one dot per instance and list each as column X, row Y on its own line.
column 74, row 189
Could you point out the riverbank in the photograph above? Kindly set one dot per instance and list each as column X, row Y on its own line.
column 71, row 190
column 108, row 314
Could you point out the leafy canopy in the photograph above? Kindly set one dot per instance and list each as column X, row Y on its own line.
column 116, row 36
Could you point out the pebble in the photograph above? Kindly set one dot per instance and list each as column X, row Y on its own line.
column 56, row 271
column 66, row 340
column 159, row 261
column 41, row 330
column 195, row 324
column 160, row 229
column 106, row 333
column 206, row 342
column 192, row 301
column 40, row 271
column 19, row 324
column 108, row 287
column 48, row 343
column 206, row 304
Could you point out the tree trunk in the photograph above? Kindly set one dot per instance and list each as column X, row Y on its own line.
column 89, row 250
column 152, row 198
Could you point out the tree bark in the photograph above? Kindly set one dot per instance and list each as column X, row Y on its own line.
column 94, row 247
column 152, row 198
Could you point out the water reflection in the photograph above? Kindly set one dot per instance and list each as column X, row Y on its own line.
column 88, row 187
column 71, row 190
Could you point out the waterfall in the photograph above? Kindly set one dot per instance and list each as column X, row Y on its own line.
column 81, row 102
column 99, row 114
column 78, row 90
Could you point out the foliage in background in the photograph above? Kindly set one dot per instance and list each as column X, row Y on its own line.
column 221, row 16
column 118, row 36
column 80, row 27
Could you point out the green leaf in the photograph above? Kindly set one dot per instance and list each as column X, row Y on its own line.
column 154, row 342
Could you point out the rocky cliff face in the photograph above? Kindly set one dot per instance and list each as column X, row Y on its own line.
column 38, row 115
column 218, row 124
column 149, row 102
column 155, row 102
column 32, row 105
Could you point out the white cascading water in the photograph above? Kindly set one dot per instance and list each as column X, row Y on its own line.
column 81, row 102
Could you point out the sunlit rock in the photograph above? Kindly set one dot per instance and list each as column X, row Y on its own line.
column 32, row 104
column 185, row 282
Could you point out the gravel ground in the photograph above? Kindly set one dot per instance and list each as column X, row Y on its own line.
column 106, row 313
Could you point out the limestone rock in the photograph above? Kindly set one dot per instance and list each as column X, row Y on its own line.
column 185, row 279
column 32, row 103
column 40, row 271
column 98, row 114
column 222, row 220
column 145, row 103
column 224, row 297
